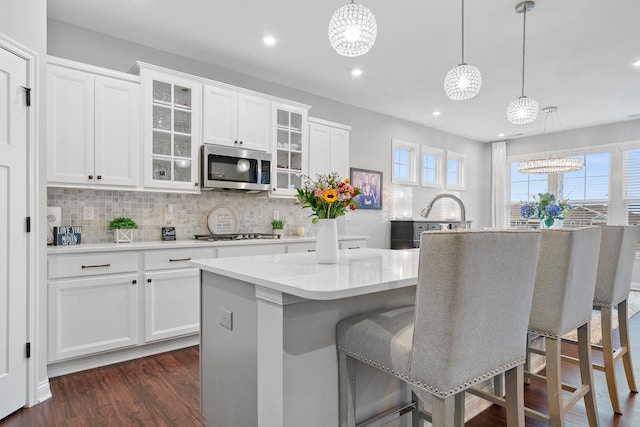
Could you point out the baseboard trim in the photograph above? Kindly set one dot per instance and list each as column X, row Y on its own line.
column 95, row 361
column 43, row 392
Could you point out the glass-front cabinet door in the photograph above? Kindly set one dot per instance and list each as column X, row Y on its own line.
column 291, row 149
column 173, row 107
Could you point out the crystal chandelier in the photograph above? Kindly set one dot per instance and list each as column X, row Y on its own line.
column 352, row 30
column 550, row 165
column 462, row 81
column 523, row 110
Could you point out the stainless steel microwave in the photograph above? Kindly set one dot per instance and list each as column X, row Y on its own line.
column 234, row 169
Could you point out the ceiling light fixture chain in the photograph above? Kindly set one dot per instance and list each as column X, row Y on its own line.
column 463, row 81
column 523, row 110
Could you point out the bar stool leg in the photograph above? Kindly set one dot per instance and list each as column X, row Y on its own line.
column 458, row 415
column 586, row 373
column 554, row 382
column 346, row 389
column 623, row 321
column 607, row 355
column 514, row 385
column 442, row 411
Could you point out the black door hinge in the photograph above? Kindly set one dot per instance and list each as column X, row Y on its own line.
column 28, row 224
column 28, row 92
column 28, row 348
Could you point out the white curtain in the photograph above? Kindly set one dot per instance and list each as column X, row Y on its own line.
column 499, row 204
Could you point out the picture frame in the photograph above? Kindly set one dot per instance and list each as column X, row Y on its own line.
column 370, row 184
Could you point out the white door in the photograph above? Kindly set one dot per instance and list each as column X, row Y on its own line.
column 13, row 237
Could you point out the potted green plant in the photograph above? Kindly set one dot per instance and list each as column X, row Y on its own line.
column 122, row 229
column 277, row 225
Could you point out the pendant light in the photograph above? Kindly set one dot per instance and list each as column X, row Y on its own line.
column 554, row 164
column 523, row 110
column 352, row 30
column 463, row 81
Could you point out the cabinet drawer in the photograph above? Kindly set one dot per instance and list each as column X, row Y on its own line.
column 301, row 247
column 174, row 258
column 352, row 244
column 246, row 250
column 91, row 265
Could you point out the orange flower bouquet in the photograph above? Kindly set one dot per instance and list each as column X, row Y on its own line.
column 329, row 196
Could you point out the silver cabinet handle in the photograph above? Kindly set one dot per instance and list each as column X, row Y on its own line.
column 311, row 250
column 354, row 247
column 179, row 259
column 96, row 266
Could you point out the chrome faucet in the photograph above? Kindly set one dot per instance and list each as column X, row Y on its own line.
column 425, row 212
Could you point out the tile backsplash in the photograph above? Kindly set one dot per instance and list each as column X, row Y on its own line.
column 190, row 212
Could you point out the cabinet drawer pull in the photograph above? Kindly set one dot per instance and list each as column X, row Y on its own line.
column 99, row 177
column 179, row 259
column 148, row 280
column 96, row 266
column 90, row 176
column 134, row 281
column 354, row 247
column 311, row 250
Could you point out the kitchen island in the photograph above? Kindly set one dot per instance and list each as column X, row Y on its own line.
column 268, row 355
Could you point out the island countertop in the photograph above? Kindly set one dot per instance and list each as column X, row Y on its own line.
column 358, row 272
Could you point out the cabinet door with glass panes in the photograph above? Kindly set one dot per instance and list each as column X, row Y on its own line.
column 172, row 131
column 291, row 149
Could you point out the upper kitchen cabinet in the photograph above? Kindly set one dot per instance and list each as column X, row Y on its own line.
column 93, row 126
column 291, row 149
column 172, row 107
column 236, row 119
column 328, row 147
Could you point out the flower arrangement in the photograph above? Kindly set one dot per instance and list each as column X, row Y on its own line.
column 548, row 209
column 329, row 196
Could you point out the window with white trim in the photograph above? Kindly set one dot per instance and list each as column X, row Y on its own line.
column 431, row 169
column 404, row 162
column 456, row 164
column 631, row 187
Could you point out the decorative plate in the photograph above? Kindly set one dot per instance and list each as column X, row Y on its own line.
column 223, row 220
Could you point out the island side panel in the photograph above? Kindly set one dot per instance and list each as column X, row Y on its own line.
column 228, row 369
column 310, row 394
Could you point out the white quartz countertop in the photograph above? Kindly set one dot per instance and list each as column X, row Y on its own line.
column 158, row 244
column 358, row 272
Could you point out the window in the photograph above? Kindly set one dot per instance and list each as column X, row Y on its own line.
column 524, row 187
column 456, row 164
column 404, row 158
column 431, row 175
column 631, row 187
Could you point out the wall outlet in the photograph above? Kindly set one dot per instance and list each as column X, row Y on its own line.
column 226, row 318
column 87, row 213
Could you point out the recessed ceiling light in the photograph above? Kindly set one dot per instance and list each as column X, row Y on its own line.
column 637, row 63
column 356, row 72
column 436, row 113
column 269, row 40
column 501, row 134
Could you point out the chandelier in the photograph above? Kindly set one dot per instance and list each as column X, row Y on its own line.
column 523, row 110
column 462, row 81
column 550, row 165
column 352, row 30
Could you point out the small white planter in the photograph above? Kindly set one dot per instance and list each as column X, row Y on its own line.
column 279, row 232
column 123, row 235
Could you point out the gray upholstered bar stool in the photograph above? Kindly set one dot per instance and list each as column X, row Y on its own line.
column 472, row 306
column 615, row 267
column 562, row 301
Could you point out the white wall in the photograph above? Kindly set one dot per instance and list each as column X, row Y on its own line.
column 370, row 136
column 25, row 22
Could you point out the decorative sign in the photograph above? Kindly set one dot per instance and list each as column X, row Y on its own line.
column 67, row 235
column 223, row 220
column 168, row 233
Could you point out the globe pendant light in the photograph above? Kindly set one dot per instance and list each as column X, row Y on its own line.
column 352, row 30
column 463, row 81
column 523, row 110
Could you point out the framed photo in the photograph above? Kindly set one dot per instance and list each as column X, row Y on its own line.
column 370, row 184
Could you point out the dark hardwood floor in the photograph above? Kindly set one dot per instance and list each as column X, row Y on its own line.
column 163, row 390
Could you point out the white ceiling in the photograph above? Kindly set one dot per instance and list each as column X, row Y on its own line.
column 579, row 53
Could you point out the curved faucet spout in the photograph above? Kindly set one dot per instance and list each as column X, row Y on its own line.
column 425, row 212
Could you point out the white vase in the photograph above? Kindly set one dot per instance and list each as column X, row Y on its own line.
column 327, row 241
column 123, row 235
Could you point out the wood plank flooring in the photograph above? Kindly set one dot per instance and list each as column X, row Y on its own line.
column 163, row 390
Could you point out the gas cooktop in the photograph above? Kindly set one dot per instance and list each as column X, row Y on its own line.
column 239, row 236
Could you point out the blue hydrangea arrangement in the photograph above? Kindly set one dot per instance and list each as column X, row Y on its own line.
column 548, row 209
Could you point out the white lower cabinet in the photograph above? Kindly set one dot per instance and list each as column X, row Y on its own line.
column 172, row 303
column 91, row 315
column 229, row 251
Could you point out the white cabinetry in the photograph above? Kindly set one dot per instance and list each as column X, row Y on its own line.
column 95, row 313
column 93, row 126
column 172, row 296
column 236, row 119
column 291, row 150
column 246, row 250
column 328, row 147
column 172, row 130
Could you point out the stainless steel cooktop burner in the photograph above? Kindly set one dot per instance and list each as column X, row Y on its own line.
column 239, row 236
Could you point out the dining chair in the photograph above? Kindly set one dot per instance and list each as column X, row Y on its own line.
column 562, row 301
column 618, row 246
column 471, row 311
